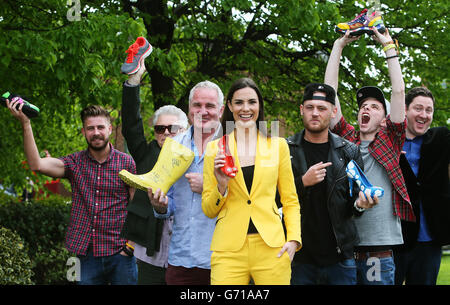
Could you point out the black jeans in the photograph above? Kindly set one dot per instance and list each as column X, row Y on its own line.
column 149, row 274
column 418, row 266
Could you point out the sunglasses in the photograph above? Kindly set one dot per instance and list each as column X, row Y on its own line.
column 160, row 129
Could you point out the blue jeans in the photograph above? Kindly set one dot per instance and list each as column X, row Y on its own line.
column 116, row 269
column 376, row 271
column 342, row 273
column 418, row 266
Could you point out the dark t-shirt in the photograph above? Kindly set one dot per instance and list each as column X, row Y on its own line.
column 319, row 241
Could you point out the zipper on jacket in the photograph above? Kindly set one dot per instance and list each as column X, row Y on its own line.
column 338, row 249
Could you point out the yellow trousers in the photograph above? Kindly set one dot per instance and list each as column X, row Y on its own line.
column 255, row 260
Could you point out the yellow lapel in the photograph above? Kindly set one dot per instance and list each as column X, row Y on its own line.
column 239, row 179
column 261, row 143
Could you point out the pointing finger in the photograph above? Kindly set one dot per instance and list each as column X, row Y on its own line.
column 324, row 165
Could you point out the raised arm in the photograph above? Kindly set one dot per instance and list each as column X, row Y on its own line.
column 395, row 74
column 332, row 71
column 48, row 166
column 132, row 124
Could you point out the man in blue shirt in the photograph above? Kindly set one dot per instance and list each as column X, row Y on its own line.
column 189, row 249
column 425, row 167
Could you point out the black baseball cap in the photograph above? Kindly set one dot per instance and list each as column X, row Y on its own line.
column 370, row 91
column 330, row 94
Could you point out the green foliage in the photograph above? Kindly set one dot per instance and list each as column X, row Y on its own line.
column 42, row 225
column 15, row 266
column 283, row 44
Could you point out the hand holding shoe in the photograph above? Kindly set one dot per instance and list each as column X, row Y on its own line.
column 159, row 200
column 17, row 111
column 366, row 202
column 346, row 39
column 221, row 177
column 136, row 78
column 382, row 38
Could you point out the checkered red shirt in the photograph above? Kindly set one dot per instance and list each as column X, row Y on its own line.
column 386, row 149
column 99, row 201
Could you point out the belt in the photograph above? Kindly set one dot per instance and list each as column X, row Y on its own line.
column 366, row 255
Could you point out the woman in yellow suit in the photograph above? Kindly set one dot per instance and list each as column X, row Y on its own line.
column 249, row 240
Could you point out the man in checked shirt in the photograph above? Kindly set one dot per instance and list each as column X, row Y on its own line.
column 380, row 137
column 99, row 197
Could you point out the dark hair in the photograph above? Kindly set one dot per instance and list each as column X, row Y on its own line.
column 417, row 91
column 242, row 83
column 94, row 110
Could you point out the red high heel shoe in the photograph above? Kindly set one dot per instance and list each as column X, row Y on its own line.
column 229, row 169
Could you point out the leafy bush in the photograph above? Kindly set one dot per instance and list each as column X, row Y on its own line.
column 42, row 225
column 15, row 265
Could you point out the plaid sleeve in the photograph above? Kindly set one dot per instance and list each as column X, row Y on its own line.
column 69, row 163
column 345, row 130
column 131, row 165
column 396, row 133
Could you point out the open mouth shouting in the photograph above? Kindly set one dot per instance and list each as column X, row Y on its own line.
column 365, row 118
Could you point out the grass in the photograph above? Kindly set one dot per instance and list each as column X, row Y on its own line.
column 444, row 272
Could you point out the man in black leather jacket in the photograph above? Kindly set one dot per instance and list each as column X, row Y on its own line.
column 319, row 159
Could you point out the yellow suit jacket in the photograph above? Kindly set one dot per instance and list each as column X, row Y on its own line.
column 272, row 170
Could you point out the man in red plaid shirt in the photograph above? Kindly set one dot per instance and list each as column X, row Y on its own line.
column 380, row 138
column 99, row 197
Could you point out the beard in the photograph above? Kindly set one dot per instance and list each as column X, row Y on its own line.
column 316, row 128
column 99, row 147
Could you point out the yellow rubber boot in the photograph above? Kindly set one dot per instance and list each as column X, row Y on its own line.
column 173, row 161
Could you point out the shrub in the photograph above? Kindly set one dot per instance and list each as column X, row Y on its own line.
column 15, row 265
column 42, row 225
